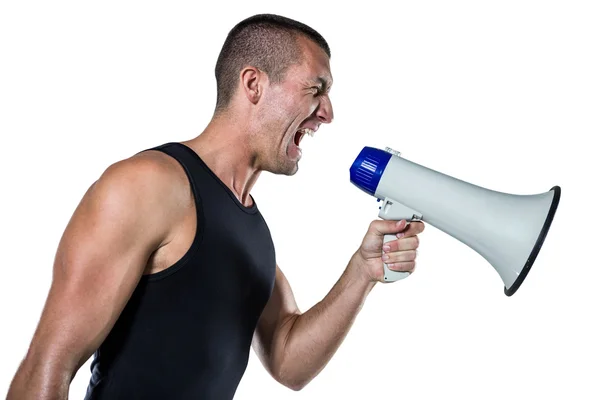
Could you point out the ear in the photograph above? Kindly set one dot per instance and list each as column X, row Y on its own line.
column 253, row 82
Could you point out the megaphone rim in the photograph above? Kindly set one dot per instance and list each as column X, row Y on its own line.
column 538, row 244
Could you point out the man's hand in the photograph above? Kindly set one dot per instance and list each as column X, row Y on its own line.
column 400, row 254
column 295, row 346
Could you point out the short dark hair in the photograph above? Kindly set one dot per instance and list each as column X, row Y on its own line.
column 265, row 41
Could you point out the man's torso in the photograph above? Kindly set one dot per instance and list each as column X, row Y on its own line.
column 187, row 330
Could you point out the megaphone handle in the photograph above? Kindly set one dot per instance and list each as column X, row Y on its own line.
column 393, row 210
column 388, row 274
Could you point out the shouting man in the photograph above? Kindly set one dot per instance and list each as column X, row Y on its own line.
column 166, row 272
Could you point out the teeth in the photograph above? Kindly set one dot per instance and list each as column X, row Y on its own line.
column 308, row 131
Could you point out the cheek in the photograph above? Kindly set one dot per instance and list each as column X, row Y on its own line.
column 312, row 104
column 305, row 107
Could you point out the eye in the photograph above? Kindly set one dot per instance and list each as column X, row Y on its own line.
column 316, row 90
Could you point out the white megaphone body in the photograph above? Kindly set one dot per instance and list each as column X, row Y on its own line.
column 507, row 230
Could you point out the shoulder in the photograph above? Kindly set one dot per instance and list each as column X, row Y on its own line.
column 148, row 167
column 148, row 174
column 150, row 187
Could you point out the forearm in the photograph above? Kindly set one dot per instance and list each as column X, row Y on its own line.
column 315, row 335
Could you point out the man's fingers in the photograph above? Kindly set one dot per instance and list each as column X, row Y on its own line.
column 400, row 256
column 402, row 227
column 405, row 243
column 402, row 266
column 414, row 228
column 384, row 227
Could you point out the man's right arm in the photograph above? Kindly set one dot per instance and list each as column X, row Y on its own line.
column 102, row 254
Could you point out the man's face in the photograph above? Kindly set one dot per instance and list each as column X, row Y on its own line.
column 296, row 107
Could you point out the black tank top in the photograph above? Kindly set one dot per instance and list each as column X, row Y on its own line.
column 186, row 331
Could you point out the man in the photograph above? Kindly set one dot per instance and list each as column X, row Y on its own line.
column 167, row 270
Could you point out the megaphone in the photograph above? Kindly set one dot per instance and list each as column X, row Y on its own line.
column 507, row 230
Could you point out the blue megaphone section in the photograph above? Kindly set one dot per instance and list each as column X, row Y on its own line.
column 368, row 167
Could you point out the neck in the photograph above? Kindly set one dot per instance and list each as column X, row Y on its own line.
column 224, row 147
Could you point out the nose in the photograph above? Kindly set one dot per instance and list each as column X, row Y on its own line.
column 325, row 110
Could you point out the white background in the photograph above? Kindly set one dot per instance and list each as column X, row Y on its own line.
column 505, row 95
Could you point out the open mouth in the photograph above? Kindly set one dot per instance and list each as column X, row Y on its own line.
column 300, row 134
column 293, row 150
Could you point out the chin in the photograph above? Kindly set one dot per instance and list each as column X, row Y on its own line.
column 287, row 167
column 293, row 171
column 289, row 170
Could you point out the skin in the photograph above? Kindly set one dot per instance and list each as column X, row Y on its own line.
column 137, row 230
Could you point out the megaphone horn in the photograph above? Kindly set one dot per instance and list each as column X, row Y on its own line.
column 508, row 230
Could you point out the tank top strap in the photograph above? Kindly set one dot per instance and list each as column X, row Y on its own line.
column 197, row 169
column 186, row 157
column 189, row 160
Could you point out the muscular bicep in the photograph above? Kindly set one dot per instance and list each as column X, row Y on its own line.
column 100, row 258
column 275, row 322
